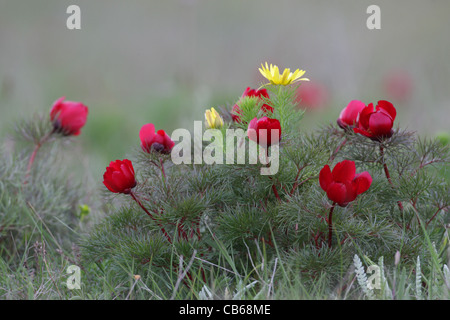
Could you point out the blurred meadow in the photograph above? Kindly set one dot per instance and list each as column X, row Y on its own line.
column 165, row 62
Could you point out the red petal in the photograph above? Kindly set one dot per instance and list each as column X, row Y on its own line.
column 168, row 143
column 380, row 124
column 388, row 108
column 56, row 108
column 109, row 186
column 350, row 192
column 262, row 92
column 350, row 113
column 114, row 166
column 72, row 117
column 129, row 164
column 127, row 173
column 251, row 131
column 362, row 182
column 147, row 132
column 269, row 128
column 325, row 177
column 120, row 181
column 146, row 135
column 363, row 132
column 344, row 171
column 247, row 92
column 235, row 113
column 337, row 192
column 267, row 108
column 108, row 181
column 364, row 115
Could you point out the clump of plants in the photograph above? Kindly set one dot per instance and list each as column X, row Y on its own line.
column 363, row 186
column 247, row 205
column 42, row 201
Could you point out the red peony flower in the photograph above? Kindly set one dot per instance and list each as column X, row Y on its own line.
column 119, row 176
column 376, row 123
column 159, row 141
column 261, row 131
column 68, row 117
column 236, row 111
column 349, row 115
column 343, row 185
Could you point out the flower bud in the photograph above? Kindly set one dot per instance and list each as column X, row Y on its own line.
column 119, row 176
column 236, row 111
column 150, row 141
column 376, row 123
column 213, row 119
column 68, row 117
column 265, row 131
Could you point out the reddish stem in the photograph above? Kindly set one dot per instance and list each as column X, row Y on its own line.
column 151, row 216
column 388, row 176
column 33, row 156
column 275, row 192
column 35, row 151
column 434, row 216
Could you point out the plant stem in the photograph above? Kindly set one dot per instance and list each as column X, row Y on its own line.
column 151, row 216
column 388, row 176
column 330, row 225
column 434, row 216
column 275, row 192
column 34, row 153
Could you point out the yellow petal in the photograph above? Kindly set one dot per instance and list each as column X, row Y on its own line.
column 208, row 118
column 285, row 77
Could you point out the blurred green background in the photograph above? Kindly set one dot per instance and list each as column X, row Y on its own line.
column 165, row 62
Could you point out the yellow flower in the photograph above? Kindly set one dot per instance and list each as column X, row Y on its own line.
column 287, row 77
column 213, row 119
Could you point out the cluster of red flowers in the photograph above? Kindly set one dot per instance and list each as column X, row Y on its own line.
column 373, row 122
column 342, row 184
column 119, row 176
column 259, row 130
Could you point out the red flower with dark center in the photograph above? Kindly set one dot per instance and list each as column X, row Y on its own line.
column 68, row 117
column 343, row 185
column 236, row 111
column 376, row 123
column 349, row 115
column 265, row 131
column 119, row 176
column 159, row 141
